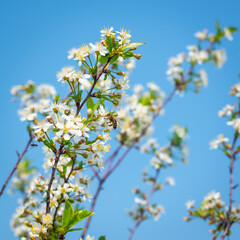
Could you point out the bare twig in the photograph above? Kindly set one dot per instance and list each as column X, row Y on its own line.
column 109, row 160
column 133, row 230
column 231, row 169
column 20, row 156
column 92, row 208
column 141, row 218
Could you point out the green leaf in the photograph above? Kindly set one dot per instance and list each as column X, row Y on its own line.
column 127, row 55
column 79, row 216
column 46, row 143
column 109, row 44
column 90, row 103
column 114, row 59
column 97, row 105
column 132, row 45
column 74, row 229
column 102, row 59
column 25, row 166
column 67, row 214
column 218, row 26
column 220, row 33
column 102, row 238
column 232, row 29
column 57, row 98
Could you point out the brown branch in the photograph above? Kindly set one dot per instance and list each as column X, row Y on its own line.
column 17, row 163
column 92, row 208
column 141, row 218
column 58, row 154
column 55, row 215
column 231, row 169
column 70, row 173
column 139, row 221
column 94, row 83
column 108, row 173
column 109, row 159
column 95, row 174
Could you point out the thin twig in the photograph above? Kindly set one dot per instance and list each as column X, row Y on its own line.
column 94, row 83
column 231, row 169
column 141, row 218
column 20, row 156
column 58, row 154
column 109, row 159
column 95, row 173
column 72, row 168
column 135, row 228
column 92, row 208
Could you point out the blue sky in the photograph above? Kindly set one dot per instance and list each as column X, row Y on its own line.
column 35, row 38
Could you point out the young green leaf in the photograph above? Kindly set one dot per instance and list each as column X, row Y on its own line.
column 90, row 103
column 132, row 45
column 74, row 229
column 102, row 238
column 78, row 216
column 67, row 214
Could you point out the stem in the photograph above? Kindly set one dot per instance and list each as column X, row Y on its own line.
column 135, row 228
column 92, row 208
column 52, row 178
column 17, row 163
column 140, row 219
column 94, row 83
column 110, row 158
column 70, row 173
column 231, row 169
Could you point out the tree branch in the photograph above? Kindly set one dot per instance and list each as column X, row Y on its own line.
column 52, row 178
column 231, row 169
column 94, row 83
column 17, row 163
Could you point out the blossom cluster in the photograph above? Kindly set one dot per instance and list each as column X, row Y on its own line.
column 34, row 99
column 137, row 113
column 214, row 210
column 73, row 131
column 196, row 55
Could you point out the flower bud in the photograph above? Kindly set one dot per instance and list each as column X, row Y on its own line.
column 118, row 86
column 55, row 110
column 121, row 73
column 115, row 102
column 35, row 121
column 57, row 140
column 67, row 112
column 28, row 224
column 49, row 119
column 91, row 161
column 89, row 149
column 85, row 155
column 137, row 56
column 28, row 211
column 99, row 137
column 41, row 176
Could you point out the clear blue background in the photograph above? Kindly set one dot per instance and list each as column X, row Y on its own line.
column 35, row 38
